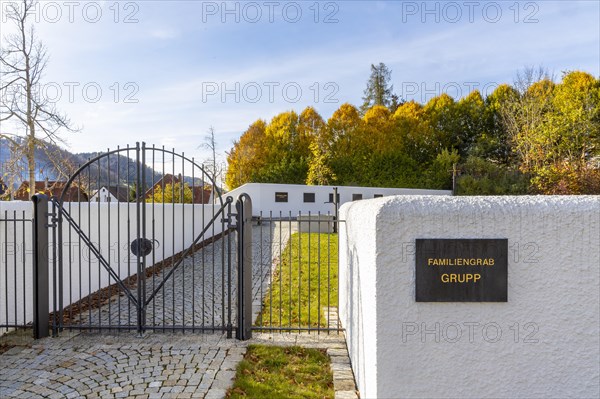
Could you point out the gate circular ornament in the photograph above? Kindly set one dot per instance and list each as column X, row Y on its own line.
column 141, row 247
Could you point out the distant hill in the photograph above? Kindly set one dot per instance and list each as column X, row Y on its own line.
column 112, row 170
column 115, row 170
column 44, row 167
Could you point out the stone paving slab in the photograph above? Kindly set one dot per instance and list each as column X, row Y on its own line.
column 335, row 344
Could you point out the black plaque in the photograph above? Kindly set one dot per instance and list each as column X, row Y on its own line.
column 461, row 270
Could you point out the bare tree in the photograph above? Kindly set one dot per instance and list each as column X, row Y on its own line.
column 11, row 168
column 528, row 76
column 524, row 112
column 23, row 60
column 210, row 143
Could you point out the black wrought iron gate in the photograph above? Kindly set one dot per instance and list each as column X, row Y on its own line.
column 141, row 239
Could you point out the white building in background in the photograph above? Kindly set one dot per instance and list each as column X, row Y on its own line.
column 111, row 194
column 300, row 199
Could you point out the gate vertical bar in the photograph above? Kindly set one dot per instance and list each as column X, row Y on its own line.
column 337, row 206
column 142, row 259
column 229, row 282
column 57, row 317
column 40, row 267
column 57, row 264
column 138, row 194
column 244, row 227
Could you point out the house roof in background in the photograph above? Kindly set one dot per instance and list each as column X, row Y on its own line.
column 52, row 189
column 121, row 193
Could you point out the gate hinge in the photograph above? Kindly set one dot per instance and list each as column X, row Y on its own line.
column 53, row 219
column 229, row 220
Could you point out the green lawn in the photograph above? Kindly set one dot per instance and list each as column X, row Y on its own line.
column 283, row 373
column 303, row 285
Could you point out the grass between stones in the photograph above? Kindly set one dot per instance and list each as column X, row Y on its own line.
column 283, row 373
column 305, row 280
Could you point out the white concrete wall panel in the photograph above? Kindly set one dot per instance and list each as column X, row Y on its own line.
column 110, row 227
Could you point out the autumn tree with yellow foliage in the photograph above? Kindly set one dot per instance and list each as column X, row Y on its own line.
column 536, row 136
column 172, row 194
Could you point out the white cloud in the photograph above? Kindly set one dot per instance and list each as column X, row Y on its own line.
column 165, row 34
column 171, row 110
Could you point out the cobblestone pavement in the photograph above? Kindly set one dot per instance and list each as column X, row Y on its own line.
column 160, row 365
column 197, row 293
column 92, row 365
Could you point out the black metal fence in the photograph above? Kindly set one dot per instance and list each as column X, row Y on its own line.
column 16, row 303
column 134, row 245
column 206, row 294
column 295, row 273
column 293, row 259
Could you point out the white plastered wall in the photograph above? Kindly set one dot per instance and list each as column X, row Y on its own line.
column 543, row 342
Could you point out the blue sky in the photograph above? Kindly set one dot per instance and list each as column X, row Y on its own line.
column 168, row 70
